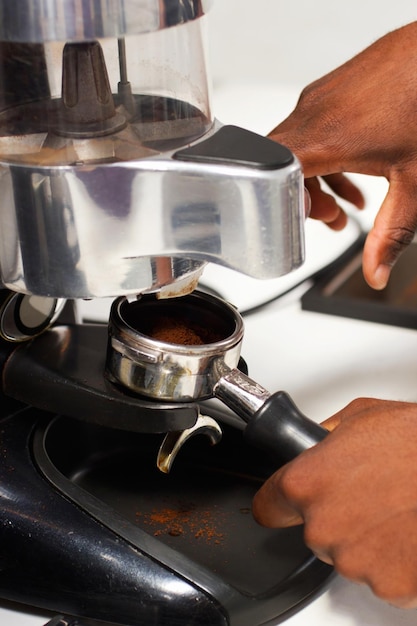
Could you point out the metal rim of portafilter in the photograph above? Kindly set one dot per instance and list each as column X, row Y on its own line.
column 173, row 349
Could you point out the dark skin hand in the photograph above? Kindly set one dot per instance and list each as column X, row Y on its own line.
column 362, row 118
column 356, row 491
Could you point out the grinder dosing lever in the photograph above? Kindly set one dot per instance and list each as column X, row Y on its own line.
column 188, row 348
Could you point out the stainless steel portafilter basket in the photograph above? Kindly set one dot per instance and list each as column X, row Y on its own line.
column 188, row 348
column 173, row 349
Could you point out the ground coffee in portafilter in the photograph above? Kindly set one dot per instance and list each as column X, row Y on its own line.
column 184, row 332
column 179, row 321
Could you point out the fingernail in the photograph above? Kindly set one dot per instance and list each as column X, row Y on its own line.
column 381, row 276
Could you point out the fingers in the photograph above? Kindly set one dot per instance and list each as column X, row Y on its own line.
column 275, row 504
column 393, row 231
column 271, row 508
column 324, row 206
column 281, row 500
column 364, row 559
column 394, row 227
column 346, row 189
column 332, row 422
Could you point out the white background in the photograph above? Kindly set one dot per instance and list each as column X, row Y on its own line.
column 297, row 41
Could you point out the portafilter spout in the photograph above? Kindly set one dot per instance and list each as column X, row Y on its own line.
column 145, row 355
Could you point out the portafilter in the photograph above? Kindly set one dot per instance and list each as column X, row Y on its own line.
column 188, row 348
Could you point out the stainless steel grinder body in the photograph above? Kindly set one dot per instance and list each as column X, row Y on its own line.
column 98, row 103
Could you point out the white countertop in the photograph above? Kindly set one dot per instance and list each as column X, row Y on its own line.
column 322, row 361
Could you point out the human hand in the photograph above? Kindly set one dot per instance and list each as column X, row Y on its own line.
column 356, row 493
column 362, row 118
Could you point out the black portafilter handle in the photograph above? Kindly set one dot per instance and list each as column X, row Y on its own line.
column 274, row 422
column 280, row 427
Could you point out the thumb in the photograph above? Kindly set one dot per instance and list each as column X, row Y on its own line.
column 271, row 508
column 393, row 231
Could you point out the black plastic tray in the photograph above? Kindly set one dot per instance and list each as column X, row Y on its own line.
column 340, row 289
column 196, row 520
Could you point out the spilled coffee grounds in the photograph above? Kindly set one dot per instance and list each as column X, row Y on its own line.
column 200, row 524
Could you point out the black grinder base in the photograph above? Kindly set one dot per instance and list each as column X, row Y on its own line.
column 96, row 530
column 202, row 509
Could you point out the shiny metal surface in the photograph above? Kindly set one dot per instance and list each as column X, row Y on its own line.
column 93, row 204
column 171, row 371
column 80, row 20
column 240, row 393
column 174, row 441
column 122, row 228
column 23, row 317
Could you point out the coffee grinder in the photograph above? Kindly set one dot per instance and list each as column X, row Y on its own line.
column 117, row 181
